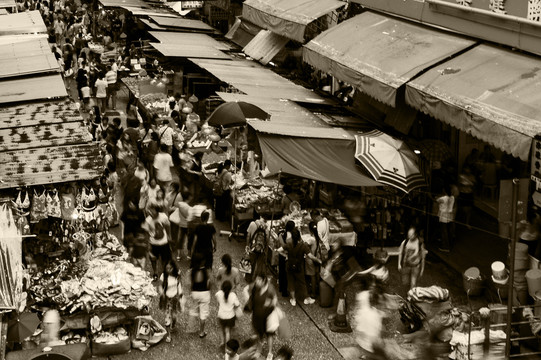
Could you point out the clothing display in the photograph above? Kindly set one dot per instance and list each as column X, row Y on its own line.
column 53, row 204
column 38, row 210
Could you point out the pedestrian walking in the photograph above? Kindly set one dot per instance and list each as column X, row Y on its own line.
column 228, row 306
column 445, row 209
column 101, row 92
column 227, row 272
column 138, row 250
column 204, row 240
column 158, row 230
column 262, row 301
column 411, row 259
column 163, row 162
column 200, row 292
column 223, row 198
column 171, row 295
column 111, row 78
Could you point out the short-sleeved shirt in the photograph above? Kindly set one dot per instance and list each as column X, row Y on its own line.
column 85, row 91
column 226, row 308
column 111, row 77
column 150, row 227
column 297, row 253
column 101, row 86
column 163, row 163
column 174, row 287
column 204, row 233
column 166, row 134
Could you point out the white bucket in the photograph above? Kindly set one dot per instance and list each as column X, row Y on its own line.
column 498, row 270
column 533, row 277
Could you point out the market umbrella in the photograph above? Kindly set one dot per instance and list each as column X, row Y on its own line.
column 22, row 326
column 235, row 113
column 390, row 161
column 434, row 150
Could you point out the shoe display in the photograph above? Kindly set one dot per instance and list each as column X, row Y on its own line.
column 293, row 302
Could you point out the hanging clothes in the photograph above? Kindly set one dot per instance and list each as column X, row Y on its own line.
column 22, row 210
column 53, row 204
column 38, row 210
column 67, row 205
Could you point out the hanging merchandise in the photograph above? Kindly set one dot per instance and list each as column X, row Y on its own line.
column 22, row 210
column 53, row 204
column 68, row 205
column 38, row 210
column 10, row 260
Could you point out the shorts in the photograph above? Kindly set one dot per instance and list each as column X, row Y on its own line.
column 409, row 271
column 140, row 262
column 227, row 322
column 202, row 302
column 160, row 251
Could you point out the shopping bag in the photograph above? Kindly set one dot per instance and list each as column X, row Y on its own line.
column 273, row 320
column 284, row 329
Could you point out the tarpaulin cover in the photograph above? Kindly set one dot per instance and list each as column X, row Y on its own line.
column 378, row 54
column 242, row 32
column 488, row 92
column 193, row 51
column 265, row 45
column 287, row 17
column 34, row 88
column 327, row 160
column 189, row 38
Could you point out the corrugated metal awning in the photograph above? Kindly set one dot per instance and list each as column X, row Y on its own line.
column 265, row 45
column 281, row 111
column 142, row 11
column 35, row 88
column 242, row 32
column 22, row 23
column 253, row 79
column 122, row 3
column 378, row 54
column 323, row 132
column 7, row 4
column 186, row 38
column 33, row 114
column 490, row 93
column 178, row 22
column 28, row 57
column 288, row 18
column 191, row 51
column 49, row 165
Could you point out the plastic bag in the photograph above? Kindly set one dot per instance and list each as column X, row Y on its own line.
column 148, row 332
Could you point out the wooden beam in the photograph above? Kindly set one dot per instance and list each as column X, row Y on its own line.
column 514, row 31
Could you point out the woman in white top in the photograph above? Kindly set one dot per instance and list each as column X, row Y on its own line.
column 228, row 304
column 171, row 294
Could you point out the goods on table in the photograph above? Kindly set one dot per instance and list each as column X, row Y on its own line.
column 251, row 196
column 157, row 103
column 102, row 280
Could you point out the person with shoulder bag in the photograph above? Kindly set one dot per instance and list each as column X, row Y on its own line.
column 179, row 212
column 411, row 259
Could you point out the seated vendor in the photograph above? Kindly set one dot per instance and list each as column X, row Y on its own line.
column 288, row 198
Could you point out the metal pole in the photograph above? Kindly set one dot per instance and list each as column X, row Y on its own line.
column 511, row 295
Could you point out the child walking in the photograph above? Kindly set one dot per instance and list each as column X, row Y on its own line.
column 228, row 305
column 171, row 295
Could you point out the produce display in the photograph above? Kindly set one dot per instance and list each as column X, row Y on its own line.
column 100, row 278
column 132, row 84
column 157, row 103
column 251, row 193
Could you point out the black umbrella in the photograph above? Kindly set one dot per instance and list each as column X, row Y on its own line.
column 235, row 113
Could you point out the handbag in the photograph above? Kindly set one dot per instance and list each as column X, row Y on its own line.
column 273, row 320
column 175, row 216
column 284, row 328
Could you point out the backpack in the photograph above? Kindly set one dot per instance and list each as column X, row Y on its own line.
column 258, row 242
column 159, row 231
column 293, row 263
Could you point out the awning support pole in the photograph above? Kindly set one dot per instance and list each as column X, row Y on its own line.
column 511, row 295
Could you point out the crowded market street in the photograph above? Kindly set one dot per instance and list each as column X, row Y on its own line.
column 270, row 179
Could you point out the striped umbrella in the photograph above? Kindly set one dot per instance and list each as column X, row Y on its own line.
column 389, row 160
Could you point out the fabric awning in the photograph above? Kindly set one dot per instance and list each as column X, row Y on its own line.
column 488, row 92
column 192, row 51
column 9, row 4
column 188, row 38
column 253, row 79
column 242, row 32
column 265, row 45
column 34, row 88
column 323, row 159
column 378, row 54
column 288, row 18
column 27, row 22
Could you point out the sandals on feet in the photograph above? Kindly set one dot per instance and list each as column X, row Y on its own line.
column 203, row 334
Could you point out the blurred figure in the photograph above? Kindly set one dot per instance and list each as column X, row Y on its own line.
column 411, row 259
column 466, row 185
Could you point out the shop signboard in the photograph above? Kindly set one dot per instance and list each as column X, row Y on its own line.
column 192, row 4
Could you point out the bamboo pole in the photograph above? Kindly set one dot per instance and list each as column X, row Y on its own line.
column 510, row 297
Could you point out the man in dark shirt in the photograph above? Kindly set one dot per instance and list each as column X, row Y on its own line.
column 205, row 240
